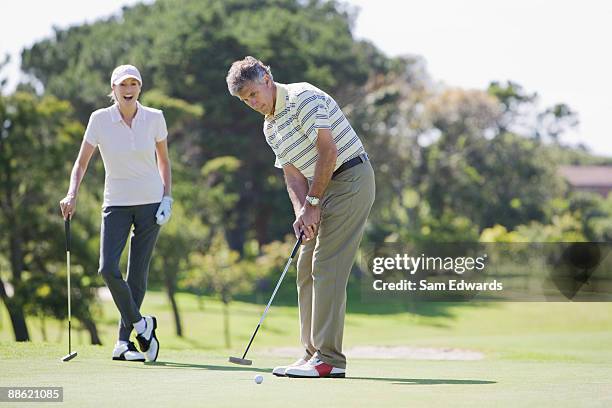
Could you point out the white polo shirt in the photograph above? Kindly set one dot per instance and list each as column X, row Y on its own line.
column 132, row 176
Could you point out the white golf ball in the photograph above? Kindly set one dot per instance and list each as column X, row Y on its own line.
column 259, row 379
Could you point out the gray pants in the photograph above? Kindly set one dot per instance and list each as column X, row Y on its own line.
column 117, row 221
column 325, row 263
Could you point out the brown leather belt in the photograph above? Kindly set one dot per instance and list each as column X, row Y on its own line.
column 362, row 158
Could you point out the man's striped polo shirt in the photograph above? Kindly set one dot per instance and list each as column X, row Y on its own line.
column 301, row 110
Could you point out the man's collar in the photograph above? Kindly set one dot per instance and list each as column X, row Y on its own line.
column 281, row 98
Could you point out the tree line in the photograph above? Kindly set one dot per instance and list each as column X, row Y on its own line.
column 452, row 164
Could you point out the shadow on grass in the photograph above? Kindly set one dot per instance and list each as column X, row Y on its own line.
column 399, row 381
column 210, row 367
column 424, row 381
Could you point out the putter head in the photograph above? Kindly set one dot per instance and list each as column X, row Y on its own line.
column 241, row 361
column 70, row 356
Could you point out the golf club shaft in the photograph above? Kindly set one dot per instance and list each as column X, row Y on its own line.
column 280, row 280
column 251, row 341
column 263, row 316
column 68, row 239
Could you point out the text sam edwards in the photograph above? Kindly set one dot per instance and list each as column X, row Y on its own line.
column 424, row 285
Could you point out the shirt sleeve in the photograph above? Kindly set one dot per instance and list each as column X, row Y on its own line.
column 278, row 163
column 91, row 133
column 162, row 130
column 313, row 114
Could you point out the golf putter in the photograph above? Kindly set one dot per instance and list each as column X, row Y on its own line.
column 70, row 354
column 243, row 360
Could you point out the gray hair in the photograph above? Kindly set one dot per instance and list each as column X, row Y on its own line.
column 246, row 70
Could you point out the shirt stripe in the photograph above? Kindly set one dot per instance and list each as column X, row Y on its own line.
column 301, row 110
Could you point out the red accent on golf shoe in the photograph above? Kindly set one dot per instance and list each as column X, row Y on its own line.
column 323, row 369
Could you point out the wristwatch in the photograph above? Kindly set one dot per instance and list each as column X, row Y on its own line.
column 314, row 201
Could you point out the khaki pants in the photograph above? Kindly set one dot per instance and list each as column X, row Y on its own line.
column 325, row 263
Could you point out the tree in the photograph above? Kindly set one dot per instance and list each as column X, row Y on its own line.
column 221, row 271
column 521, row 115
column 37, row 137
column 184, row 49
column 487, row 176
column 178, row 239
column 184, row 233
column 387, row 114
column 594, row 213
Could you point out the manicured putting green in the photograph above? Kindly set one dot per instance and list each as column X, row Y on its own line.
column 200, row 378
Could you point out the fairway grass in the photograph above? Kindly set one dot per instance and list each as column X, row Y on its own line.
column 578, row 332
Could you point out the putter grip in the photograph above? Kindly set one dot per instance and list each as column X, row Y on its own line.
column 297, row 245
column 67, row 228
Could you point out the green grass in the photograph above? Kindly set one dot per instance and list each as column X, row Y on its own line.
column 186, row 378
column 536, row 354
column 580, row 332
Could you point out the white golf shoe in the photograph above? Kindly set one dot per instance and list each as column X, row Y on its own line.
column 153, row 351
column 127, row 352
column 315, row 368
column 280, row 370
column 147, row 340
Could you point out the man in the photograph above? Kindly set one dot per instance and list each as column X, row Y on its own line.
column 331, row 186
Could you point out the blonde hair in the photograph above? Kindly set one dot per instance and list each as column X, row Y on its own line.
column 112, row 96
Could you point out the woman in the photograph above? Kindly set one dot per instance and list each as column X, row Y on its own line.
column 137, row 193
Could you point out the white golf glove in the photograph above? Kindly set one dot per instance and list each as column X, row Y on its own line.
column 164, row 210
